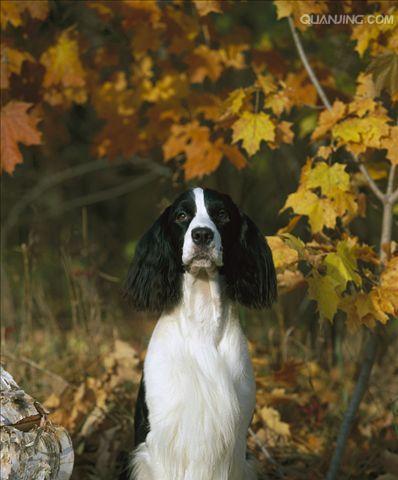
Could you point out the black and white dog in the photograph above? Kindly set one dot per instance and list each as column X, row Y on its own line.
column 195, row 264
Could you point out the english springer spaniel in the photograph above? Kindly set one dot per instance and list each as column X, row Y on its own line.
column 201, row 258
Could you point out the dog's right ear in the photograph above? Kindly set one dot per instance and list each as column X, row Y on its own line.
column 154, row 279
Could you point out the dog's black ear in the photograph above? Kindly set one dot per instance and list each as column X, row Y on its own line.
column 155, row 275
column 249, row 268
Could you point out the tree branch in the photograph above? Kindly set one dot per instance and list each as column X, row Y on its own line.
column 349, row 415
column 372, row 184
column 307, row 65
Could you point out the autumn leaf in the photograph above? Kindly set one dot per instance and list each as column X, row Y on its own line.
column 64, row 70
column 297, row 8
column 283, row 255
column 11, row 62
column 272, row 419
column 204, row 7
column 342, row 264
column 17, row 126
column 320, row 212
column 328, row 178
column 252, row 128
column 391, row 145
column 204, row 62
column 329, row 118
column 322, row 289
column 193, row 140
column 384, row 69
column 366, row 131
column 233, row 155
column 232, row 55
column 12, row 10
column 233, row 103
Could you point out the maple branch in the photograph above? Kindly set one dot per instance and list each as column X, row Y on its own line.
column 266, row 453
column 372, row 184
column 107, row 194
column 303, row 56
column 307, row 65
column 394, row 196
column 58, row 178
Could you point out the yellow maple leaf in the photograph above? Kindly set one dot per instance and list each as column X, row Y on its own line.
column 272, row 419
column 366, row 131
column 297, row 8
column 328, row 178
column 266, row 83
column 233, row 103
column 322, row 289
column 365, row 86
column 62, row 63
column 363, row 34
column 283, row 255
column 328, row 118
column 390, row 143
column 342, row 264
column 278, row 102
column 65, row 77
column 252, row 128
column 320, row 211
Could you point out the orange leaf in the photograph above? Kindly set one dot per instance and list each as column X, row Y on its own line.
column 65, row 76
column 234, row 155
column 204, row 7
column 17, row 126
column 203, row 63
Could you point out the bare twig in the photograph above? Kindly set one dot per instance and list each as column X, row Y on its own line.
column 307, row 65
column 372, row 184
column 62, row 176
column 266, row 453
column 107, row 194
column 36, row 366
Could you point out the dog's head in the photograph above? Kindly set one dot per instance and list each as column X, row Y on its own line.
column 202, row 230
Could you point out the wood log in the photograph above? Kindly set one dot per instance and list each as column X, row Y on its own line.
column 32, row 448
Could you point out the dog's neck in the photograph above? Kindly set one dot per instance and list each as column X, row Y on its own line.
column 204, row 310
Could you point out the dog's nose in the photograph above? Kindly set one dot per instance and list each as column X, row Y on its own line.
column 202, row 236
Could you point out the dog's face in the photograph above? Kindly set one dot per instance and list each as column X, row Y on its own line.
column 204, row 222
column 202, row 230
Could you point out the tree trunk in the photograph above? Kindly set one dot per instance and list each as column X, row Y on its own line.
column 31, row 447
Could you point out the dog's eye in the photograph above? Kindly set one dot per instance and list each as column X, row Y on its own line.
column 181, row 217
column 222, row 215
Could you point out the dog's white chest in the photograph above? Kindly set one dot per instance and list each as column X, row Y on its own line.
column 199, row 390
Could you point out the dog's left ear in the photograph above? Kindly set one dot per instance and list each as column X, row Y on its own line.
column 249, row 268
column 155, row 275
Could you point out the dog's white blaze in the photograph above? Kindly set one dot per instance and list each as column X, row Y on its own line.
column 201, row 219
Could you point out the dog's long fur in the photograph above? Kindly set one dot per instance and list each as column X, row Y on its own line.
column 197, row 262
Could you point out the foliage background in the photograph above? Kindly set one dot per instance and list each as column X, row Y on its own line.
column 109, row 110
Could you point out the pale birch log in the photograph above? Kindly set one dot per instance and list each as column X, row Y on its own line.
column 31, row 447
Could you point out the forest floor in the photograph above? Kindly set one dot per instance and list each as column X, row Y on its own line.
column 88, row 379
